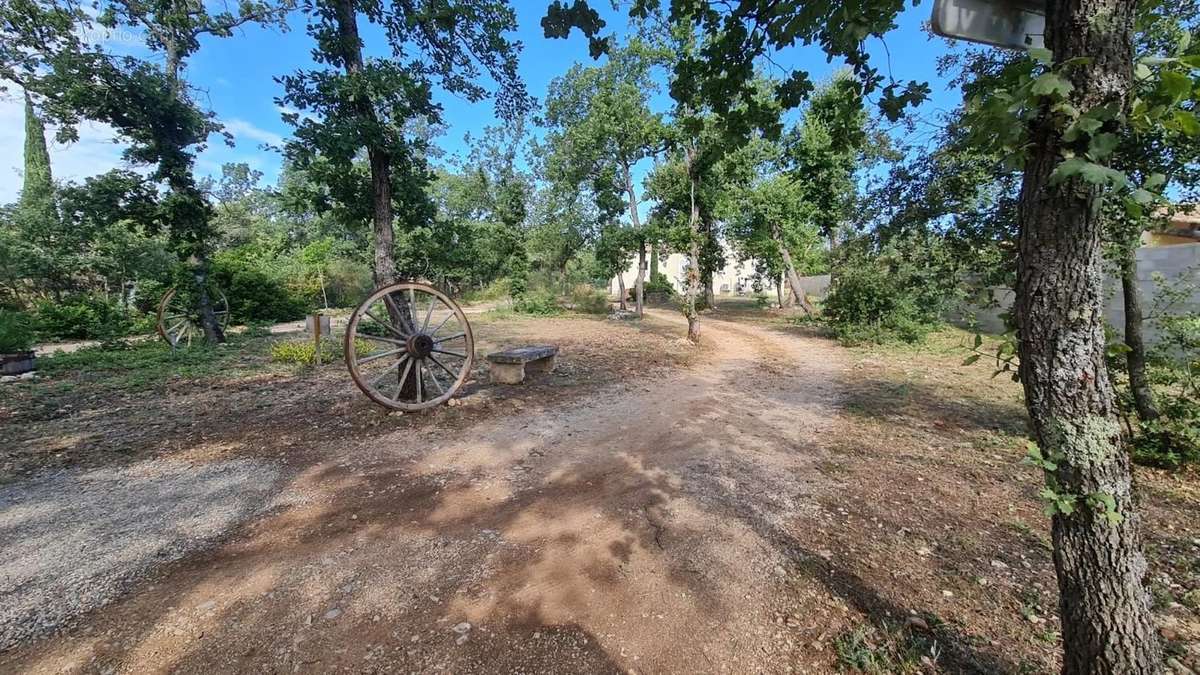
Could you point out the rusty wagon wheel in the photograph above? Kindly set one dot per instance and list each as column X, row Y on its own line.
column 179, row 320
column 409, row 347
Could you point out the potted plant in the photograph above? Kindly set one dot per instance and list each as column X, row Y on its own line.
column 16, row 342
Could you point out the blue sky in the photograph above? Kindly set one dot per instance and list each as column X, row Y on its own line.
column 235, row 78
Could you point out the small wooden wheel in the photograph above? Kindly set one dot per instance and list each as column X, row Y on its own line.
column 409, row 347
column 179, row 320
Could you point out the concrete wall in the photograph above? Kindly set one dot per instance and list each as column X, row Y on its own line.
column 727, row 281
column 1178, row 264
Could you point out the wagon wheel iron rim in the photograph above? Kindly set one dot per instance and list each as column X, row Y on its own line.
column 409, row 347
column 177, row 323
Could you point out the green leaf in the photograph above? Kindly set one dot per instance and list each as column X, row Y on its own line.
column 1042, row 55
column 1102, row 145
column 1175, row 85
column 1142, row 196
column 978, row 339
column 1141, row 72
column 1093, row 173
column 1186, row 122
column 1051, row 84
column 970, row 359
column 1133, row 209
column 1192, row 60
column 1155, row 181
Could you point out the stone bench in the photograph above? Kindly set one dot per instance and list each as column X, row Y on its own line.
column 511, row 365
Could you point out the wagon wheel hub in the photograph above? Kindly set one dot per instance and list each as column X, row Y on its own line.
column 420, row 346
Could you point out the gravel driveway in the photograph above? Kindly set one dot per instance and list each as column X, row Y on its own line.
column 74, row 540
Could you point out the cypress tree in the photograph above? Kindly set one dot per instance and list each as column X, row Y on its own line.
column 38, row 185
column 36, row 205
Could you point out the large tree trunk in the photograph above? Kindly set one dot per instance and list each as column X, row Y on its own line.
column 1105, row 610
column 621, row 292
column 381, row 165
column 640, row 283
column 779, row 290
column 790, row 270
column 693, row 270
column 710, row 295
column 1135, row 358
column 381, row 194
column 636, row 221
column 199, row 262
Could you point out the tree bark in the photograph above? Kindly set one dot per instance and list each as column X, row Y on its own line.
column 693, row 271
column 779, row 290
column 790, row 271
column 213, row 333
column 640, row 285
column 381, row 163
column 1135, row 358
column 1104, row 608
column 621, row 292
column 653, row 261
column 635, row 220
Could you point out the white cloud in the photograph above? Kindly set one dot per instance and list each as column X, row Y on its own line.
column 96, row 153
column 93, row 154
column 241, row 129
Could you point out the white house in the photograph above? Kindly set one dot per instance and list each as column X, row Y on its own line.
column 734, row 278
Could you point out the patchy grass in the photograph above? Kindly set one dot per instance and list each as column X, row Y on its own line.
column 885, row 650
column 931, row 450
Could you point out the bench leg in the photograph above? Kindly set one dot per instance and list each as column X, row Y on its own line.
column 507, row 373
column 541, row 366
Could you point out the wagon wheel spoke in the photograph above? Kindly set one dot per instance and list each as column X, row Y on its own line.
column 419, row 378
column 403, row 322
column 443, row 323
column 380, row 355
column 380, row 338
column 442, row 366
column 394, row 368
column 401, row 379
column 429, row 314
column 387, row 325
column 433, row 378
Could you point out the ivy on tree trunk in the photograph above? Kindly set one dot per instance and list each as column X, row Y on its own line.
column 1105, row 609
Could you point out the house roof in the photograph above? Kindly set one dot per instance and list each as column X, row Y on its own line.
column 1184, row 222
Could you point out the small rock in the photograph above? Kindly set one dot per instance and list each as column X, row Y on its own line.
column 948, row 594
column 332, row 614
column 1168, row 634
column 917, row 622
column 924, row 551
column 461, row 639
column 462, row 628
column 999, row 565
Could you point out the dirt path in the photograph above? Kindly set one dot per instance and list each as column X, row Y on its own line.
column 658, row 526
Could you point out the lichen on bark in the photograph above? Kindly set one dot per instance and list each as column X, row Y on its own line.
column 1083, row 442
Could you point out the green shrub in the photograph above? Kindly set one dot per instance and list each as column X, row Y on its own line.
column 1173, row 439
column 255, row 294
column 896, row 294
column 16, row 332
column 347, row 282
column 303, row 352
column 539, row 302
column 589, row 299
column 81, row 317
column 498, row 289
column 659, row 283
